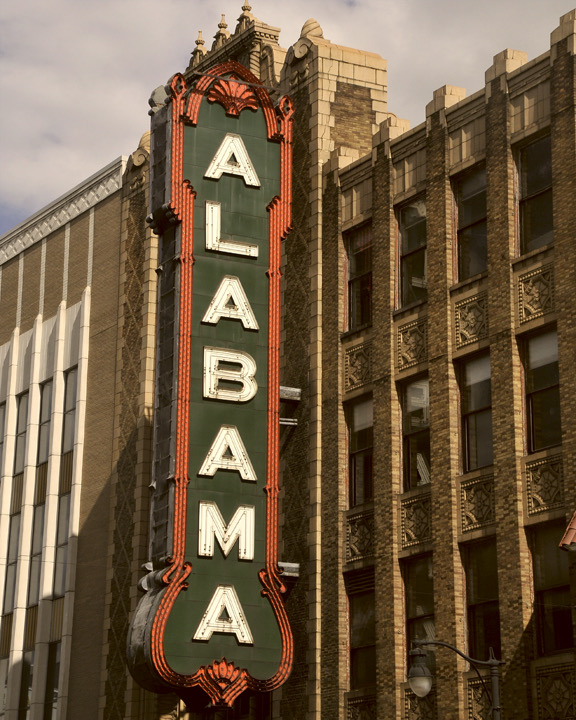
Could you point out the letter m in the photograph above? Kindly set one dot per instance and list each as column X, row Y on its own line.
column 211, row 525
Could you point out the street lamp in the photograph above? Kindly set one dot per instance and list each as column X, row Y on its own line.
column 420, row 678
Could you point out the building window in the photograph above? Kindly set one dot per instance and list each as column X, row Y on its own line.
column 52, row 674
column 26, row 685
column 543, row 392
column 11, row 562
column 470, row 192
column 535, row 171
column 21, row 427
column 359, row 245
column 362, row 628
column 360, row 432
column 416, row 434
column 551, row 590
column 412, row 230
column 13, row 544
column 419, row 592
column 44, row 425
column 482, row 599
column 69, row 410
column 476, row 404
column 362, row 640
column 61, row 557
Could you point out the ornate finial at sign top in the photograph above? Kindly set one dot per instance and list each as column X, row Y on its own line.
column 199, row 51
column 245, row 19
column 222, row 35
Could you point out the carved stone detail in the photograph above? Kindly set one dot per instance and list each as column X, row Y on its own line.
column 556, row 692
column 536, row 293
column 359, row 536
column 479, row 706
column 416, row 708
column 412, row 344
column 545, row 484
column 477, row 502
column 357, row 366
column 471, row 317
column 363, row 708
column 416, row 520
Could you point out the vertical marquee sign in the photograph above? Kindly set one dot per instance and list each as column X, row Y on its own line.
column 212, row 617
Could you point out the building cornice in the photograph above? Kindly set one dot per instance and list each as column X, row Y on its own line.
column 84, row 196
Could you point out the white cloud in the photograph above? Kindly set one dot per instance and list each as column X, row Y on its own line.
column 75, row 77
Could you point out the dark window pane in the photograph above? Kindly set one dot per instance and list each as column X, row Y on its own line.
column 536, row 222
column 34, row 585
column 362, row 640
column 360, row 291
column 546, row 429
column 555, row 619
column 536, row 166
column 60, row 571
column 413, row 271
column 543, row 392
column 412, row 221
column 482, row 599
column 359, row 277
column 414, row 283
column 360, row 439
column 552, row 590
column 472, row 241
column 479, row 445
column 53, row 670
column 416, row 460
column 419, row 587
column 9, row 589
column 472, row 251
column 484, row 630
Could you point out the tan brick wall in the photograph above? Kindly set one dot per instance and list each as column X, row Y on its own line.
column 98, row 443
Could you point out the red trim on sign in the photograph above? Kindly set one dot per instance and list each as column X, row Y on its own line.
column 222, row 680
column 238, row 73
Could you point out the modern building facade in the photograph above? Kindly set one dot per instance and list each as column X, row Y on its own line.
column 426, row 453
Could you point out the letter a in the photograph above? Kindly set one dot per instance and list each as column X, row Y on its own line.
column 230, row 301
column 227, row 452
column 224, row 615
column 232, row 158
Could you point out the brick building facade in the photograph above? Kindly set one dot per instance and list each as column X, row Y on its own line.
column 428, row 323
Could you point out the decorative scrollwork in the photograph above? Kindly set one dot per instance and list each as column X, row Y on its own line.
column 471, row 317
column 357, row 366
column 412, row 344
column 234, row 95
column 416, row 520
column 362, row 708
column 545, row 484
column 479, row 706
column 556, row 692
column 360, row 536
column 536, row 293
column 477, row 502
column 416, row 708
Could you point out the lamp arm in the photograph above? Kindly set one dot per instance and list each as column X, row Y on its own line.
column 491, row 663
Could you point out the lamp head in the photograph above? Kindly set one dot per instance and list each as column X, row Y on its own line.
column 419, row 676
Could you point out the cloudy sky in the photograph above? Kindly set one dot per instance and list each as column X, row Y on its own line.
column 75, row 76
